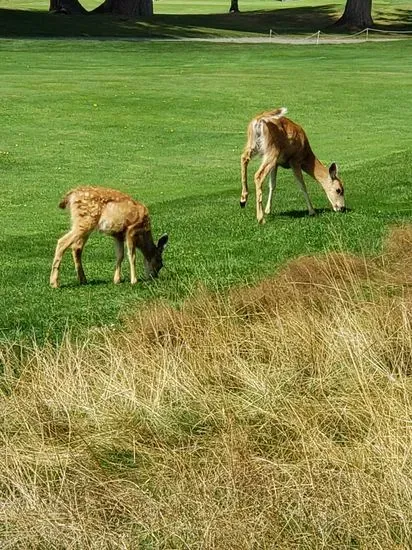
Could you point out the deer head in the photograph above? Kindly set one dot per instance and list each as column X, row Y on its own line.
column 334, row 189
column 155, row 263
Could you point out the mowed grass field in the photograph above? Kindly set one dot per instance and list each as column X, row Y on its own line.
column 166, row 123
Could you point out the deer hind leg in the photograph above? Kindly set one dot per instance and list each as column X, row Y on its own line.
column 119, row 247
column 272, row 187
column 247, row 155
column 77, row 249
column 301, row 183
column 131, row 252
column 62, row 245
column 265, row 168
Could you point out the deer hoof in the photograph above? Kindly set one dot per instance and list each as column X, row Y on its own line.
column 242, row 204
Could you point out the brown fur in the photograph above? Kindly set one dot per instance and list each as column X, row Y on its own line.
column 115, row 214
column 282, row 142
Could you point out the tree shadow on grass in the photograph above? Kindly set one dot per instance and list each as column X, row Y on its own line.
column 399, row 19
column 296, row 20
column 288, row 20
column 32, row 24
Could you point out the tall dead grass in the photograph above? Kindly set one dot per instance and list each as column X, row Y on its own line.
column 275, row 417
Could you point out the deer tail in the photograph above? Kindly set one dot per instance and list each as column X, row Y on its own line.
column 275, row 115
column 65, row 200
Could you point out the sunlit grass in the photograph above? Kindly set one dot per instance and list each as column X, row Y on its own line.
column 166, row 123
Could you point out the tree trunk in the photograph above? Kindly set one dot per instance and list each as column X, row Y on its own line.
column 357, row 14
column 126, row 8
column 234, row 8
column 66, row 6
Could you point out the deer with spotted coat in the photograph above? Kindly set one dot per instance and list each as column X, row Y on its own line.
column 282, row 142
column 115, row 214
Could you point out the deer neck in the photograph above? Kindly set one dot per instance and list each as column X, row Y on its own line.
column 146, row 244
column 317, row 171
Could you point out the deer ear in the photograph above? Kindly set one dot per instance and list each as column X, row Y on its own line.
column 333, row 170
column 162, row 242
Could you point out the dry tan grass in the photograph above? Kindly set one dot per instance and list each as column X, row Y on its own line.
column 275, row 417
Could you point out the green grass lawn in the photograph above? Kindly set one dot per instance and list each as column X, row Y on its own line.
column 166, row 123
column 196, row 18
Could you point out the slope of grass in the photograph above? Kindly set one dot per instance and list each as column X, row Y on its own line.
column 166, row 123
column 199, row 18
column 276, row 417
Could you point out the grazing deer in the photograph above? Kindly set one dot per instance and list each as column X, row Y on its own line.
column 282, row 142
column 115, row 214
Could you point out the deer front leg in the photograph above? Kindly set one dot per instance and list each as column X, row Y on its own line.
column 62, row 245
column 264, row 169
column 119, row 247
column 297, row 171
column 245, row 159
column 272, row 187
column 77, row 249
column 131, row 252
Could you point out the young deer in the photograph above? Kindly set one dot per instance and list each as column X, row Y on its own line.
column 115, row 214
column 282, row 142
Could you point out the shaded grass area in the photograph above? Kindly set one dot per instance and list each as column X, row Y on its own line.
column 18, row 23
column 296, row 20
column 173, row 20
column 166, row 123
column 276, row 416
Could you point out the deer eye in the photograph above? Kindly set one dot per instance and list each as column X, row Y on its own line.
column 339, row 191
